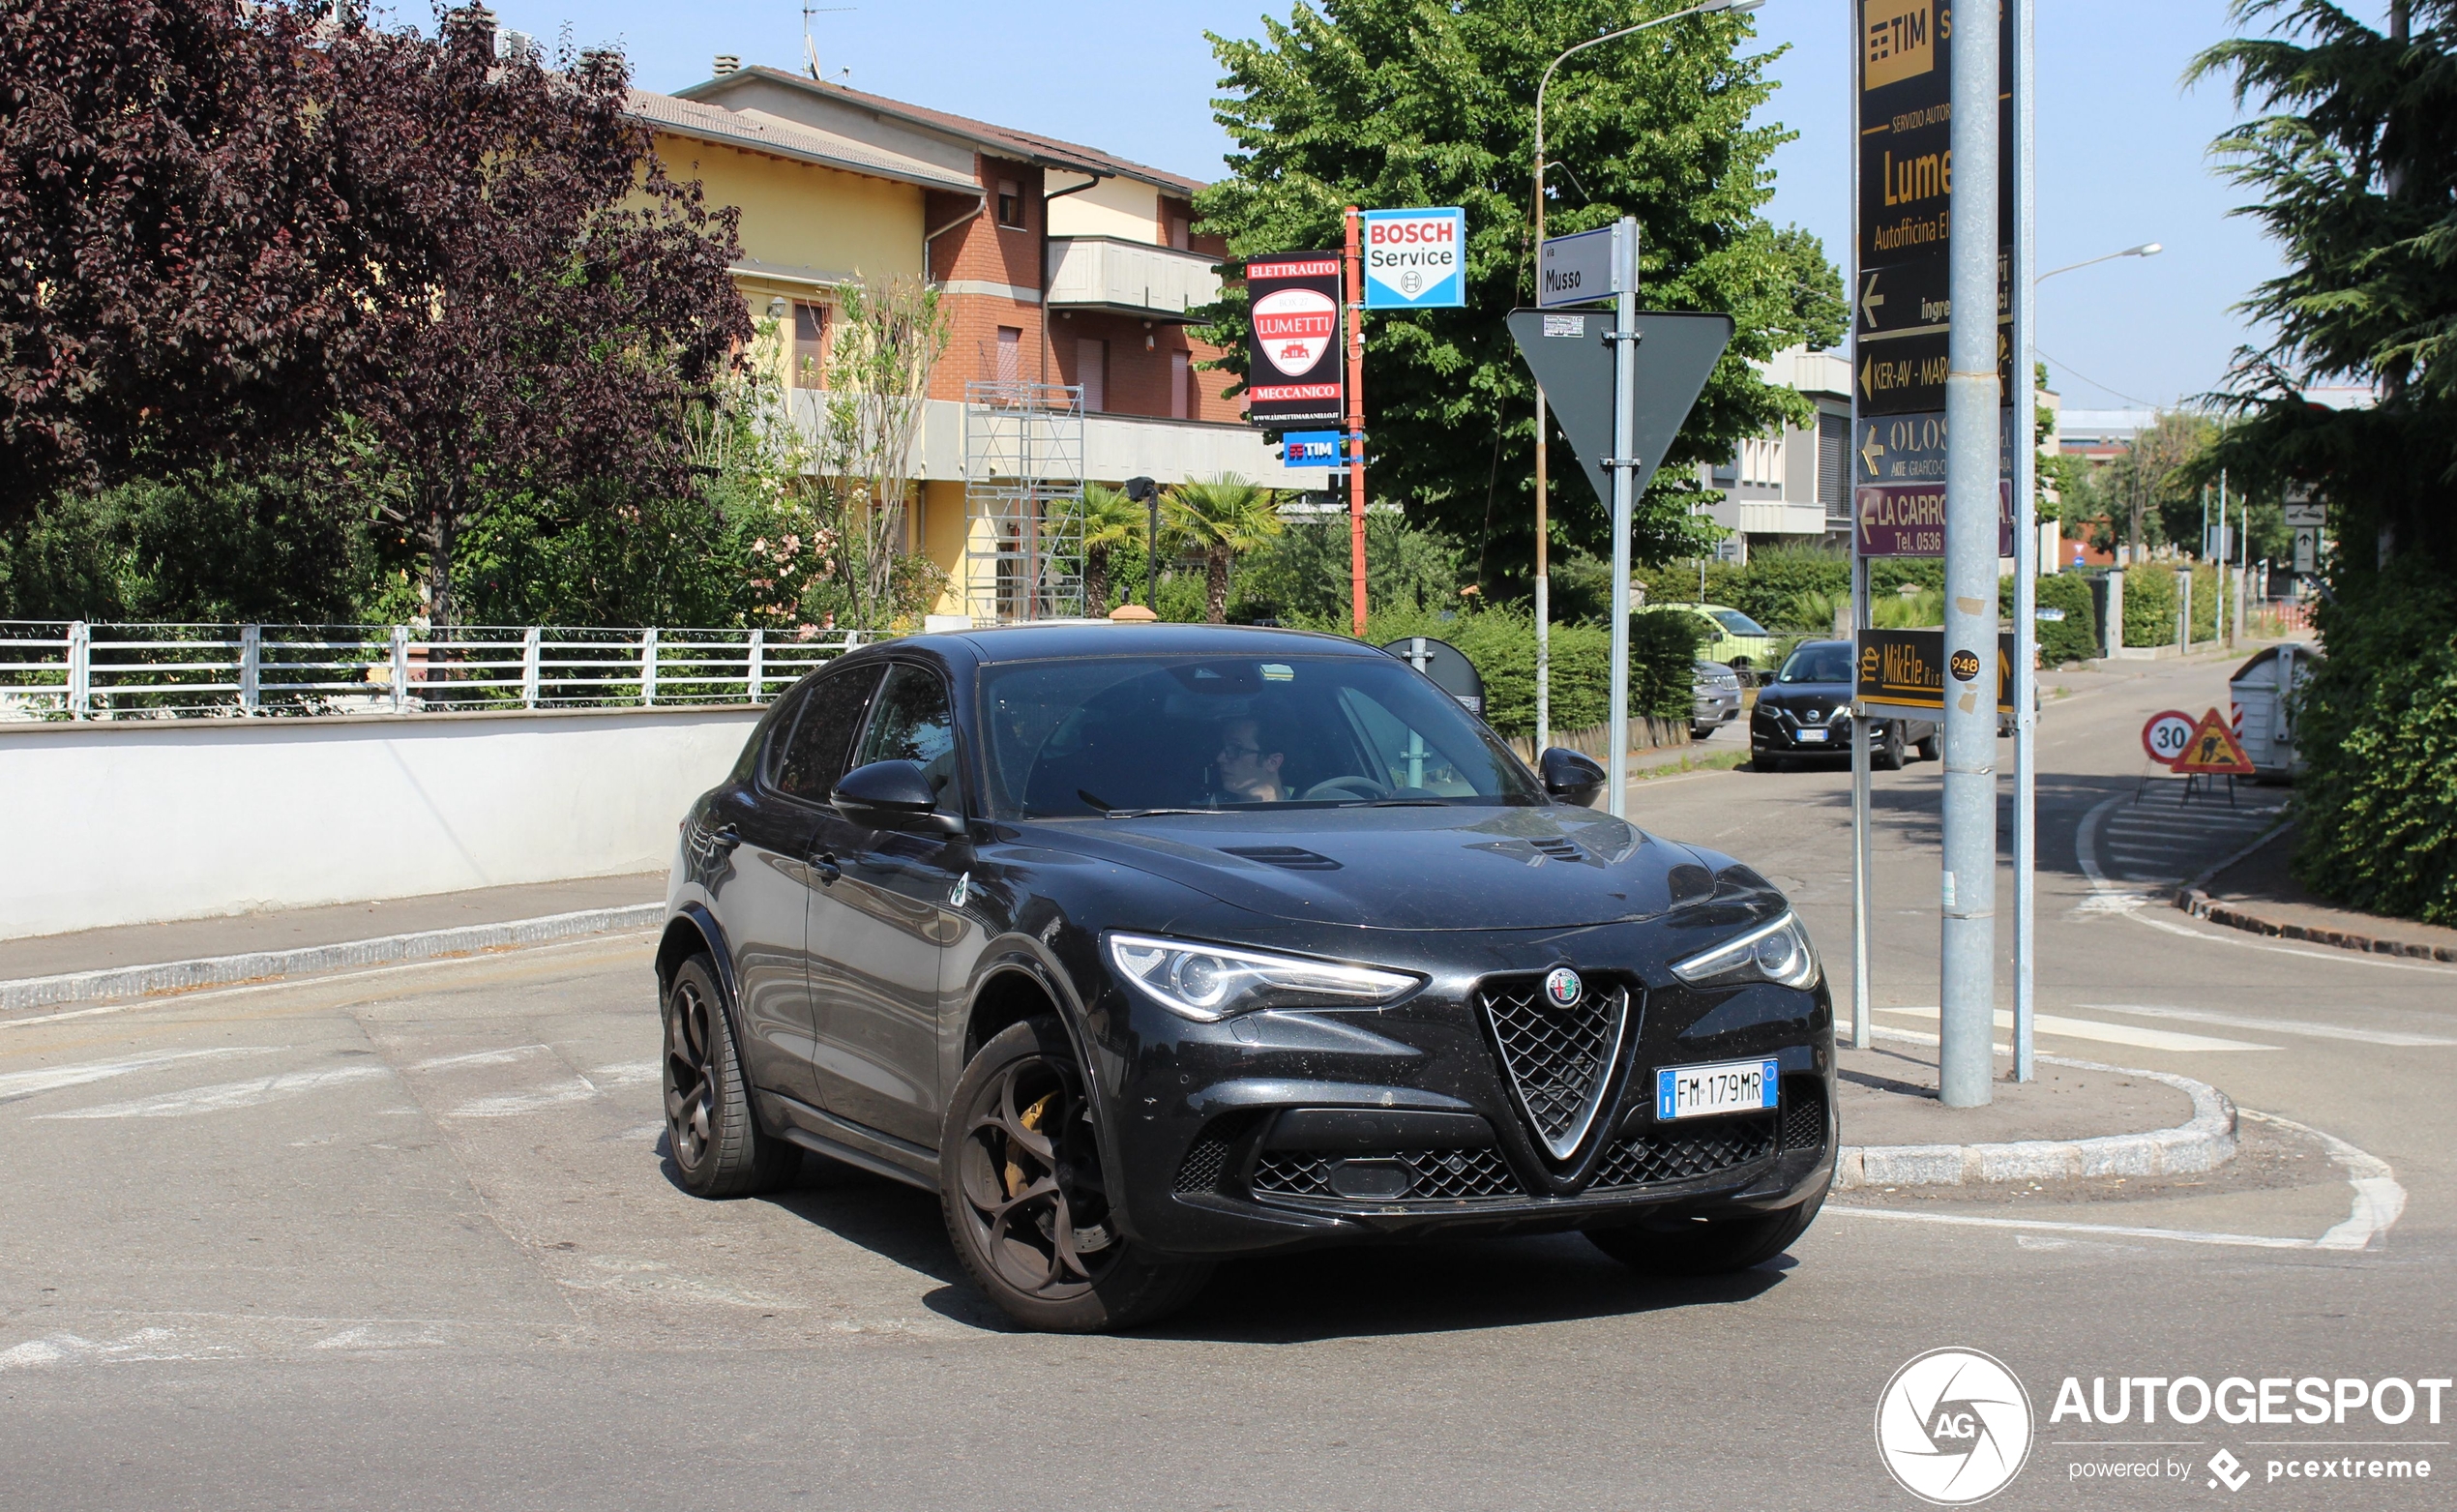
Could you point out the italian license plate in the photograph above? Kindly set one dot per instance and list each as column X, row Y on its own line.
column 1816, row 736
column 1730, row 1087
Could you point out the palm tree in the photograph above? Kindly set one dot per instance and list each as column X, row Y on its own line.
column 1221, row 517
column 1111, row 519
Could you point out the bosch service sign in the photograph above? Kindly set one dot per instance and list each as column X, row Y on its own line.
column 1295, row 375
column 1414, row 259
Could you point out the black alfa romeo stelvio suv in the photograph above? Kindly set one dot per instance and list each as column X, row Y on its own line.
column 1147, row 945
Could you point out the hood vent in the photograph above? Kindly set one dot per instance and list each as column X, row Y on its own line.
column 1559, row 847
column 1294, row 858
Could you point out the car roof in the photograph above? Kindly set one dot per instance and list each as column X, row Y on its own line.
column 1042, row 642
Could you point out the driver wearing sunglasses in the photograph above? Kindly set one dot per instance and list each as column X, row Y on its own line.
column 1247, row 765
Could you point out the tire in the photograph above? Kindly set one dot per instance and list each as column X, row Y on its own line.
column 1018, row 1200
column 711, row 1130
column 1710, row 1246
column 1888, row 757
column 1929, row 748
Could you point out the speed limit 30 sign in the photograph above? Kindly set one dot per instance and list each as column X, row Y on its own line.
column 2168, row 735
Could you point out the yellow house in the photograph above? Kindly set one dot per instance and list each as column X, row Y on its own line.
column 1068, row 275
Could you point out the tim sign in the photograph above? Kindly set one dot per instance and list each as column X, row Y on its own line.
column 1414, row 259
column 1295, row 375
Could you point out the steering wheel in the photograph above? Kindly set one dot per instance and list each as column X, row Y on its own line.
column 1346, row 788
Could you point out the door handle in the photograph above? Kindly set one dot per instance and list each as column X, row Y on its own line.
column 825, row 863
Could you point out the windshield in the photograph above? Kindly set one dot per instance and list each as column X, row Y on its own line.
column 1737, row 623
column 1132, row 734
column 1825, row 663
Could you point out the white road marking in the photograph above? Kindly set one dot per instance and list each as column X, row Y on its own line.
column 60, row 1349
column 2106, row 1033
column 227, row 1095
column 288, row 984
column 2243, row 941
column 2301, row 1026
column 2378, row 1204
column 628, row 1074
column 479, row 1057
column 25, row 1083
column 511, row 1104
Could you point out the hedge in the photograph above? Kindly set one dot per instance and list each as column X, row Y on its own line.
column 1500, row 643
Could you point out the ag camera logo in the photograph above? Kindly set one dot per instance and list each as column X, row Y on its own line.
column 1954, row 1427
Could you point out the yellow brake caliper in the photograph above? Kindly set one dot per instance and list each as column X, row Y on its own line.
column 1030, row 1119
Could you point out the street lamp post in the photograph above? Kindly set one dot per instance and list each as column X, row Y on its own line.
column 1144, row 491
column 1543, row 574
column 2145, row 250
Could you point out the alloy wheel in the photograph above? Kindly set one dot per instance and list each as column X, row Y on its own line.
column 690, row 1075
column 1029, row 1171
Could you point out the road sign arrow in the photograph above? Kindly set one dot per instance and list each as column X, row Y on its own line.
column 1569, row 356
column 1871, row 451
column 1870, row 298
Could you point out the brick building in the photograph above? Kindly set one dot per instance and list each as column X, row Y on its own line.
column 1067, row 274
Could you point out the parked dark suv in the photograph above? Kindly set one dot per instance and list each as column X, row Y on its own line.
column 1806, row 711
column 1146, row 945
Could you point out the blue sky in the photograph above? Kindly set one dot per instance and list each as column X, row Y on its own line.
column 2121, row 156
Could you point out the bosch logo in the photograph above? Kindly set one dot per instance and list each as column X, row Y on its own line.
column 1563, row 988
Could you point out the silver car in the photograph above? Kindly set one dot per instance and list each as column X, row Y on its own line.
column 1718, row 699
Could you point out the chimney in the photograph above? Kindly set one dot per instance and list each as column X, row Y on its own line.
column 727, row 63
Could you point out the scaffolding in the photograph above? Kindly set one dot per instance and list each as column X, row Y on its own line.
column 1024, row 494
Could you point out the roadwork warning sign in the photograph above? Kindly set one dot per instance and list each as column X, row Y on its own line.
column 2213, row 750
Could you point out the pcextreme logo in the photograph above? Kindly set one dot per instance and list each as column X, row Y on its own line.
column 1954, row 1427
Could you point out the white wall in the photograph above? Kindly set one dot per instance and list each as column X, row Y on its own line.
column 131, row 822
column 1113, row 207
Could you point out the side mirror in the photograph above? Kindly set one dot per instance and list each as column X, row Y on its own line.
column 1570, row 777
column 892, row 795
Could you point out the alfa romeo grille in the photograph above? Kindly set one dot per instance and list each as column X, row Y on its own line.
column 1431, row 1173
column 1557, row 1059
column 1652, row 1157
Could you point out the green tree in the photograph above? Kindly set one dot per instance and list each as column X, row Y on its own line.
column 1111, row 519
column 1389, row 103
column 1303, row 574
column 1220, row 517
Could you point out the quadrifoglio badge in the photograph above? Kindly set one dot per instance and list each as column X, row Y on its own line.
column 1955, row 1426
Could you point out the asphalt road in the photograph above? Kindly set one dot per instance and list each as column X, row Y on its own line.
column 404, row 1238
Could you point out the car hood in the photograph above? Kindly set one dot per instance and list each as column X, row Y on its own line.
column 1820, row 697
column 1408, row 867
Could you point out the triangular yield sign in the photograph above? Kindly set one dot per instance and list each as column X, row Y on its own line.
column 2214, row 750
column 1568, row 354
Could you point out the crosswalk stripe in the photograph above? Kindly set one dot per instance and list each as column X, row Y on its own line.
column 2105, row 1034
column 2258, row 1024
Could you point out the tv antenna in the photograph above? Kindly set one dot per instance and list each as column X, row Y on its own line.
column 810, row 43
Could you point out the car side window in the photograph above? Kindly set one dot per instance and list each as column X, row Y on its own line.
column 814, row 756
column 909, row 721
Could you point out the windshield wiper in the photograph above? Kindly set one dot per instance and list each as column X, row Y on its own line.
column 1403, row 802
column 1109, row 813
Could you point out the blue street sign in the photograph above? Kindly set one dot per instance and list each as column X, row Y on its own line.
column 1310, row 447
column 1415, row 259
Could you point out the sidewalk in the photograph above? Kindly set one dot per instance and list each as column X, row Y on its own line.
column 308, row 929
column 2259, row 893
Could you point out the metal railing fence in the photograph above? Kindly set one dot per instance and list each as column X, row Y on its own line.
column 51, row 670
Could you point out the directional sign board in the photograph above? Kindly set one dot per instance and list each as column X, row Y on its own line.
column 2167, row 736
column 1908, row 519
column 1577, row 269
column 1570, row 357
column 1905, row 671
column 2307, row 516
column 1415, row 259
column 2213, row 750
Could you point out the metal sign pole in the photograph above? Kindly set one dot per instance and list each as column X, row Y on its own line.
column 1966, row 1061
column 1355, row 265
column 1863, row 1004
column 1624, row 484
column 2026, row 561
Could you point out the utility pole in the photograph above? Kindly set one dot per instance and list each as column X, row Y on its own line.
column 1626, row 465
column 1967, row 893
column 2026, row 551
column 1354, row 263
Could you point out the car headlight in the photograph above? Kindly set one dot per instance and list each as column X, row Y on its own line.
column 1779, row 953
column 1211, row 981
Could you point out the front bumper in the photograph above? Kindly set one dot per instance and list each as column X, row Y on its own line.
column 1288, row 1129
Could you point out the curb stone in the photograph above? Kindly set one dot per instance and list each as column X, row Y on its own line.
column 176, row 976
column 2194, row 899
column 2204, row 1143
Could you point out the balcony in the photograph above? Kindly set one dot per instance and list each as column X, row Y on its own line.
column 1129, row 278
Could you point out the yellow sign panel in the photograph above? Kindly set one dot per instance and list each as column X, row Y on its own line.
column 1898, row 41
